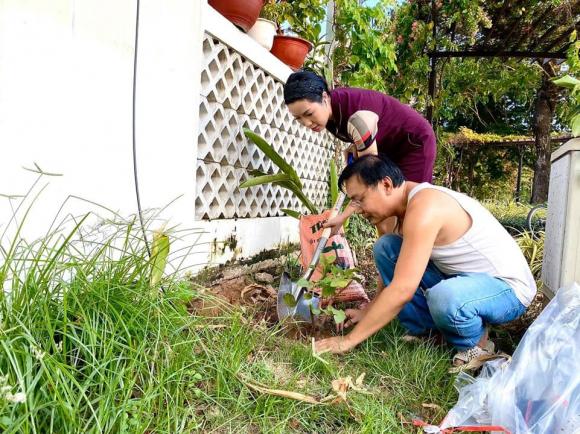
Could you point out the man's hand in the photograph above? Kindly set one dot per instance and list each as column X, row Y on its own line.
column 352, row 317
column 335, row 223
column 334, row 345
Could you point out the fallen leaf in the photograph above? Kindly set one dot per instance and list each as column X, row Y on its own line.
column 282, row 393
column 316, row 355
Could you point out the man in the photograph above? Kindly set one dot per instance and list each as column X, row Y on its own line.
column 449, row 267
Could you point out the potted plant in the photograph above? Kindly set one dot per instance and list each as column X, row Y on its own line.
column 297, row 22
column 242, row 13
column 263, row 32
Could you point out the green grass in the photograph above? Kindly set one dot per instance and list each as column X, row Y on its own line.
column 511, row 215
column 94, row 349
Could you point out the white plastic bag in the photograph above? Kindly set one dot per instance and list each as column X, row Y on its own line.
column 539, row 391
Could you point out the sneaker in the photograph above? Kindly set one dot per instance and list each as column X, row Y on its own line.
column 473, row 354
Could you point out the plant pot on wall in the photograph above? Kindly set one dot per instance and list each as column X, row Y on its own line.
column 243, row 13
column 291, row 50
column 263, row 32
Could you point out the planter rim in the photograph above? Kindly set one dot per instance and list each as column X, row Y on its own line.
column 267, row 21
column 297, row 38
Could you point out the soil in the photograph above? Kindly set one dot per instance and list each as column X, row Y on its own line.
column 253, row 284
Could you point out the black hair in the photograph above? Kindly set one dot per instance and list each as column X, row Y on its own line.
column 372, row 169
column 304, row 85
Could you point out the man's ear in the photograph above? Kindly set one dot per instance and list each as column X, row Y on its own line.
column 388, row 184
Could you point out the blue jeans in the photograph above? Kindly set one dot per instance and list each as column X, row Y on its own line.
column 458, row 306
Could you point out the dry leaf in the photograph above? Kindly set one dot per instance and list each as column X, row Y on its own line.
column 282, row 393
column 429, row 405
column 315, row 354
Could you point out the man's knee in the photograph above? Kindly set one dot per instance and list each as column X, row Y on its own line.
column 388, row 246
column 443, row 302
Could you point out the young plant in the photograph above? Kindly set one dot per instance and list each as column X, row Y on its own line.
column 333, row 279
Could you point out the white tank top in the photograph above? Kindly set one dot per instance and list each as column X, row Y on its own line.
column 486, row 247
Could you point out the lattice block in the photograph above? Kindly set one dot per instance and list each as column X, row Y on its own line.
column 221, row 74
column 219, row 137
column 217, row 187
column 237, row 94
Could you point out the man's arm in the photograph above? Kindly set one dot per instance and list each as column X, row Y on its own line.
column 421, row 227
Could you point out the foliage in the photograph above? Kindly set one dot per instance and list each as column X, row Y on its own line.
column 510, row 214
column 332, row 280
column 87, row 348
column 363, row 48
column 361, row 234
column 287, row 178
column 573, row 84
column 533, row 249
column 300, row 17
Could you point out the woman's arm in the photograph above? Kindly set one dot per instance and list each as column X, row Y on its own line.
column 362, row 126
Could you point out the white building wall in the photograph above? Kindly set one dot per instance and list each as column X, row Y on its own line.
column 66, row 71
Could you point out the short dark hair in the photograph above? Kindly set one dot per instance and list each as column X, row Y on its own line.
column 304, row 85
column 372, row 169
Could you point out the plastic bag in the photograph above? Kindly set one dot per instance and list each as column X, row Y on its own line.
column 310, row 232
column 539, row 391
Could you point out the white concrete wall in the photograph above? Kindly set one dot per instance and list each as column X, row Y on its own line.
column 66, row 70
column 66, row 96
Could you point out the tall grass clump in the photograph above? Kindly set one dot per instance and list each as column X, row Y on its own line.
column 512, row 215
column 89, row 342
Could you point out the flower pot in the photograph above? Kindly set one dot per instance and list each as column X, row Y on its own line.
column 263, row 32
column 291, row 50
column 243, row 13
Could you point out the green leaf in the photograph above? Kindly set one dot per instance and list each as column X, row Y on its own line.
column 289, row 300
column 340, row 283
column 264, row 179
column 327, row 290
column 290, row 185
column 338, row 315
column 327, row 260
column 575, row 125
column 567, row 81
column 273, row 155
column 333, row 182
column 159, row 253
column 303, row 283
column 315, row 310
column 291, row 213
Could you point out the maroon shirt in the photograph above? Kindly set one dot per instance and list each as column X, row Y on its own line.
column 403, row 134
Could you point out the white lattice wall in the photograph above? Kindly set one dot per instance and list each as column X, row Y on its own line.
column 237, row 94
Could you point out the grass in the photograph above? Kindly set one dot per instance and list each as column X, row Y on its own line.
column 88, row 346
column 511, row 215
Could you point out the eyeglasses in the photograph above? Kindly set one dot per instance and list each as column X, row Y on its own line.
column 358, row 202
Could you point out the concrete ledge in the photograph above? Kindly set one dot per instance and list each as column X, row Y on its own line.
column 222, row 29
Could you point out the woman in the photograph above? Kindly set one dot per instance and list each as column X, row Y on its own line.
column 371, row 121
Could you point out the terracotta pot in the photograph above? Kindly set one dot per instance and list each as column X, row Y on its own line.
column 263, row 32
column 291, row 50
column 243, row 13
